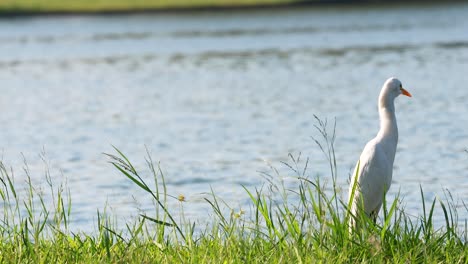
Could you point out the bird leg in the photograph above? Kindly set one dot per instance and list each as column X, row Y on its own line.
column 373, row 216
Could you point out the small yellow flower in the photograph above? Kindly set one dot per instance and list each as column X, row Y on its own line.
column 237, row 215
column 181, row 198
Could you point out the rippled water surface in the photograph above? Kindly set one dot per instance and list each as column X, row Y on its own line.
column 216, row 97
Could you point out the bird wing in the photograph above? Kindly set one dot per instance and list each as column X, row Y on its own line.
column 372, row 178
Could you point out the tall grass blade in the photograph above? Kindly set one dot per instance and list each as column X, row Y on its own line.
column 159, row 222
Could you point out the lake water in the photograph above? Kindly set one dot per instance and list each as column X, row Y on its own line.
column 216, row 97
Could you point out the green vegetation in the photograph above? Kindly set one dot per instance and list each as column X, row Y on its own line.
column 304, row 224
column 18, row 6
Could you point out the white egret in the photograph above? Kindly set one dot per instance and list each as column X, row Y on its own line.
column 372, row 176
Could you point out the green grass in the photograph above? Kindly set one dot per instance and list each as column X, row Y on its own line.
column 123, row 5
column 305, row 223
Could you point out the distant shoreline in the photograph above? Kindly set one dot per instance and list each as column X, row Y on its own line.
column 214, row 7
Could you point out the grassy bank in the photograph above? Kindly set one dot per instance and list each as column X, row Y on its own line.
column 46, row 7
column 304, row 224
column 19, row 6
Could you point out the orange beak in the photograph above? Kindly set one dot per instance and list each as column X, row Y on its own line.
column 403, row 91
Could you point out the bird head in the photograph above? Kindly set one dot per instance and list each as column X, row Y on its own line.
column 393, row 88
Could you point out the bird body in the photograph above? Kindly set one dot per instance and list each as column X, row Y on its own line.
column 372, row 176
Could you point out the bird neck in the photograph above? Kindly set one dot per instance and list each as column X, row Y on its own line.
column 388, row 133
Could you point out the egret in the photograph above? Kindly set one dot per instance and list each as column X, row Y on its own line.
column 373, row 173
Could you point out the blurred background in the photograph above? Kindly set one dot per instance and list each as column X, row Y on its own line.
column 219, row 95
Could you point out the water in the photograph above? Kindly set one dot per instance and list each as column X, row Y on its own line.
column 216, row 97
